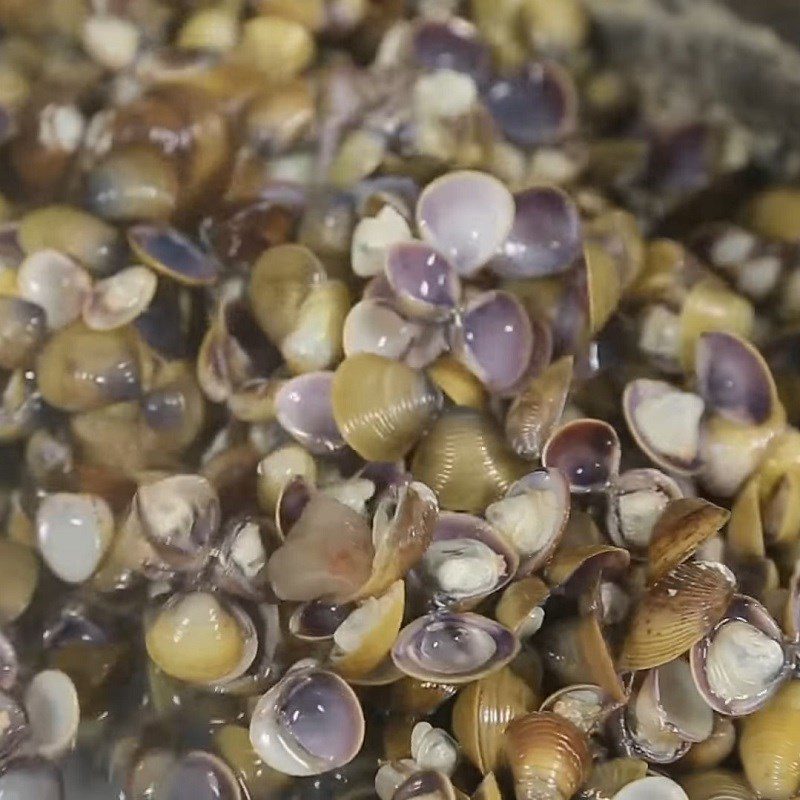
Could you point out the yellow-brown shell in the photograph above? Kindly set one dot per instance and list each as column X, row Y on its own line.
column 608, row 777
column 769, row 745
column 548, row 756
column 19, row 577
column 466, row 461
column 520, row 605
column 682, row 527
column 381, row 406
column 716, row 784
column 457, row 382
column 676, row 612
column 712, row 751
column 482, row 711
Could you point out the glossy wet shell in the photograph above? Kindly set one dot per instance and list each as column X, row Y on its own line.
column 171, row 253
column 466, row 461
column 587, row 451
column 382, row 407
column 676, row 612
column 118, row 300
column 19, row 573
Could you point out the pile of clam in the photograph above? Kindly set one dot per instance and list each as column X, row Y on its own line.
column 394, row 405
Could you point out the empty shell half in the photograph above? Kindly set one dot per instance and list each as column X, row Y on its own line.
column 587, row 451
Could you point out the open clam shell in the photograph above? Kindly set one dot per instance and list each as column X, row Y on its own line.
column 308, row 723
column 305, row 411
column 587, row 451
column 494, row 322
column 544, row 238
column 574, row 569
column 200, row 775
column 537, row 409
column 466, row 561
column 734, row 379
column 381, row 407
column 665, row 422
column 171, row 253
column 682, row 527
column 427, row 784
column 425, row 283
column 636, row 499
column 483, row 709
column 15, row 725
column 675, row 613
column 532, row 516
column 453, row 648
column 467, row 216
column 521, row 606
column 465, row 460
column 742, row 661
column 548, row 756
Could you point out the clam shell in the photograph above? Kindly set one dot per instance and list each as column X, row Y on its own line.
column 716, row 784
column 536, row 410
column 436, row 647
column 373, row 237
column 769, row 745
column 482, row 711
column 603, row 285
column 715, row 749
column 457, row 383
column 51, row 703
column 382, row 407
column 656, row 787
column 465, row 461
column 451, row 44
column 119, row 299
column 676, row 612
column 428, row 784
column 19, row 575
column 452, row 216
column 373, row 326
column 28, row 777
column 317, row 621
column 608, row 777
column 547, row 755
column 171, row 253
column 682, row 527
column 22, row 330
column 520, row 607
column 587, row 451
column 202, row 775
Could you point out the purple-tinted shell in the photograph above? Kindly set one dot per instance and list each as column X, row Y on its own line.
column 733, row 378
column 743, row 609
column 545, row 237
column 453, row 44
column 424, row 281
column 587, row 451
column 536, row 106
column 304, row 410
column 173, row 254
column 681, row 159
column 375, row 326
column 620, row 731
column 200, row 776
column 467, row 215
column 291, row 503
column 317, row 621
column 494, row 323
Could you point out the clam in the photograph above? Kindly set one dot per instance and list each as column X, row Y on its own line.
column 716, row 783
column 636, row 500
column 317, row 621
column 521, row 606
column 548, row 756
column 452, row 216
column 240, row 559
column 416, row 698
column 741, row 662
column 608, row 777
column 491, row 323
column 179, row 516
column 711, row 752
column 199, row 638
column 434, row 748
column 373, row 326
column 453, row 647
column 656, row 787
column 381, row 407
column 450, row 44
column 79, row 369
column 201, row 775
column 366, row 635
column 171, row 253
column 466, row 561
column 425, row 283
column 537, row 409
column 665, row 422
column 19, row 575
column 675, row 613
column 22, row 330
column 768, row 745
column 74, row 531
column 532, row 516
column 55, row 283
column 586, row 706
column 51, row 704
column 9, row 664
column 372, row 239
column 304, row 410
column 465, row 460
column 536, row 106
column 308, row 723
column 119, row 299
column 425, row 784
column 587, row 451
column 544, row 238
column 28, row 777
column 276, row 470
column 573, row 569
column 682, row 527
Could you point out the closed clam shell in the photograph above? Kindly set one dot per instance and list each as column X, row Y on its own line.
column 734, row 379
column 51, row 704
column 453, row 648
column 677, row 611
column 382, row 407
column 280, row 281
column 769, row 745
column 716, row 784
column 467, row 216
column 466, row 461
column 119, row 299
column 536, row 410
column 682, row 527
column 482, row 711
column 548, row 756
column 22, row 329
